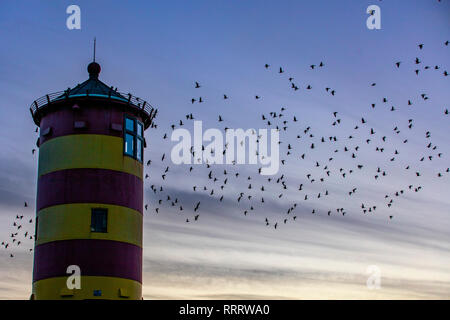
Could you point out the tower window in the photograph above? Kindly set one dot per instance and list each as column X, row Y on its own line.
column 129, row 124
column 97, row 293
column 139, row 129
column 129, row 145
column 99, row 220
column 134, row 138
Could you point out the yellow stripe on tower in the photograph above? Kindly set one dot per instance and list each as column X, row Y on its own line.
column 93, row 151
column 73, row 221
column 111, row 288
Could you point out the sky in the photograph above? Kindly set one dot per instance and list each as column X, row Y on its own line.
column 158, row 50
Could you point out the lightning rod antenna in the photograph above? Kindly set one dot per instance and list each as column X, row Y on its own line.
column 94, row 47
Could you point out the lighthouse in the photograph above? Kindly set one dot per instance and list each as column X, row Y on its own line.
column 89, row 206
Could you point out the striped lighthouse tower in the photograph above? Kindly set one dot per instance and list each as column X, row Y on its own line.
column 88, row 239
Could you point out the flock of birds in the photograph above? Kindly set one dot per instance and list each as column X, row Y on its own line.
column 251, row 191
